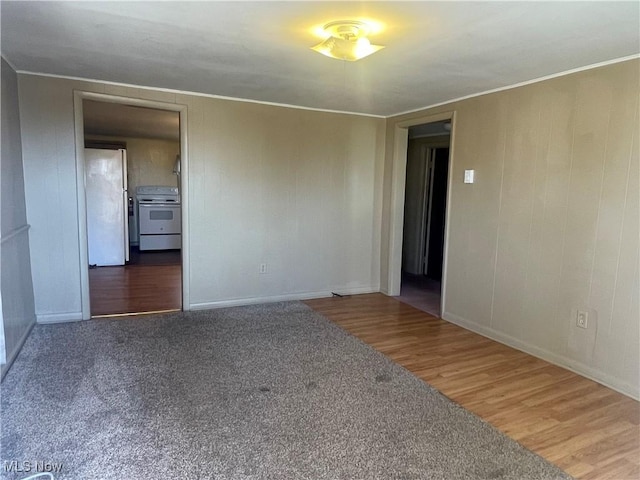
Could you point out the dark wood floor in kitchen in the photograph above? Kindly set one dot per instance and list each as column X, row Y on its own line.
column 152, row 282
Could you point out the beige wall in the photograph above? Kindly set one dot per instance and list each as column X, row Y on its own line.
column 298, row 190
column 17, row 314
column 551, row 223
column 550, row 226
column 150, row 161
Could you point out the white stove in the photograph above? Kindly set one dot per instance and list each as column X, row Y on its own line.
column 159, row 217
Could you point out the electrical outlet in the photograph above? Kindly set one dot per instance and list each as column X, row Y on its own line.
column 582, row 318
column 263, row 268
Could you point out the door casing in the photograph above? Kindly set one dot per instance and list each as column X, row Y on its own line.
column 396, row 213
column 78, row 97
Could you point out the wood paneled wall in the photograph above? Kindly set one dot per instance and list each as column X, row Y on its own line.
column 550, row 225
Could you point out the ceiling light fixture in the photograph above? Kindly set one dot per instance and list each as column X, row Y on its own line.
column 347, row 40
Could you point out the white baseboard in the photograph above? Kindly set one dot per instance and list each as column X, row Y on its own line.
column 281, row 298
column 49, row 318
column 4, row 368
column 577, row 367
column 59, row 317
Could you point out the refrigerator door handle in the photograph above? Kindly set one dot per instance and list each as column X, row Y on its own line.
column 125, row 205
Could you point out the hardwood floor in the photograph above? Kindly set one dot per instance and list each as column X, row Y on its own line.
column 588, row 430
column 135, row 289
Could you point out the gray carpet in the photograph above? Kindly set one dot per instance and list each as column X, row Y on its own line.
column 263, row 392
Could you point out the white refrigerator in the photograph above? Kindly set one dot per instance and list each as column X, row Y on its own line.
column 107, row 206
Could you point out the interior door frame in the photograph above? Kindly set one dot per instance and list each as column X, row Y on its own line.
column 432, row 149
column 428, row 204
column 396, row 213
column 78, row 97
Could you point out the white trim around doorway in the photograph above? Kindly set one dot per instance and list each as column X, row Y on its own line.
column 396, row 214
column 78, row 97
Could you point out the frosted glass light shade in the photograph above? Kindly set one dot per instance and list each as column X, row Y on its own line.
column 346, row 49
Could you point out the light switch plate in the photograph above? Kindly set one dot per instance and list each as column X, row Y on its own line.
column 469, row 176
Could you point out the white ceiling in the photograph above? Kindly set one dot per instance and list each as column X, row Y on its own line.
column 435, row 51
column 114, row 119
column 433, row 129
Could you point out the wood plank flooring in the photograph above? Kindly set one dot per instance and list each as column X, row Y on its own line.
column 135, row 289
column 588, row 430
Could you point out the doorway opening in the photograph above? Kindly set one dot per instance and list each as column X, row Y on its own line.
column 132, row 183
column 427, row 172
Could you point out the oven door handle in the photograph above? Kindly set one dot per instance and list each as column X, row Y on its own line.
column 158, row 205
